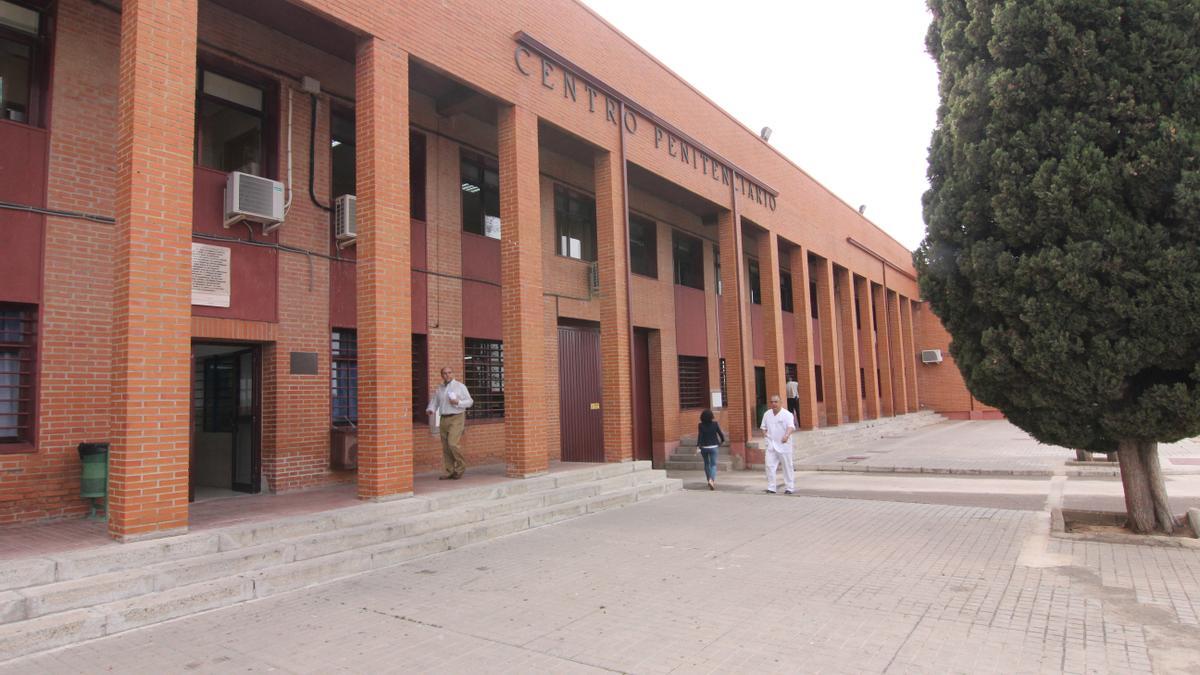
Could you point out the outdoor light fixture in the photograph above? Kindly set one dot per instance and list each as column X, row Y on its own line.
column 766, row 134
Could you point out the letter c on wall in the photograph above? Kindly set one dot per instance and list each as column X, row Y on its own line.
column 517, row 59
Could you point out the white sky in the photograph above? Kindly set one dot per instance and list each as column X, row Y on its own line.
column 845, row 85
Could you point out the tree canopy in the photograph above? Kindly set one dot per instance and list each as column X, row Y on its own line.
column 1063, row 244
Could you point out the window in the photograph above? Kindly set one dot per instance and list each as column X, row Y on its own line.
column 791, row 372
column 820, row 383
column 483, row 373
column 344, row 376
column 575, row 224
column 231, row 125
column 220, row 400
column 341, row 153
column 18, row 330
column 480, row 195
column 755, row 282
column 688, row 254
column 693, row 382
column 785, row 291
column 420, row 376
column 717, row 267
column 22, row 59
column 416, row 180
column 812, row 298
column 643, row 247
column 723, row 376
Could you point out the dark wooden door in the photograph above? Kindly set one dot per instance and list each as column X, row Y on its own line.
column 642, row 421
column 579, row 393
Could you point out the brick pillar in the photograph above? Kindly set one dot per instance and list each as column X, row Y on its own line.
column 735, row 338
column 831, row 363
column 849, row 335
column 910, row 354
column 886, row 397
column 384, row 284
column 148, row 486
column 523, row 322
column 613, row 253
column 899, row 378
column 768, row 282
column 866, row 345
column 798, row 261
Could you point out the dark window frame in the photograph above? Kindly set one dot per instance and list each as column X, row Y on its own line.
column 643, row 256
column 563, row 196
column 269, row 147
column 41, row 63
column 19, row 343
column 687, row 260
column 785, row 291
column 337, row 112
column 483, row 375
column 693, row 382
column 812, row 300
column 343, row 377
column 483, row 194
column 418, row 167
column 754, row 281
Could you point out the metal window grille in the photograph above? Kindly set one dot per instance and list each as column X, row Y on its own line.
column 344, row 376
column 693, row 382
column 18, row 340
column 483, row 374
column 420, row 376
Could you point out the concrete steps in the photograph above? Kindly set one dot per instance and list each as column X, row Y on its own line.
column 60, row 600
column 685, row 458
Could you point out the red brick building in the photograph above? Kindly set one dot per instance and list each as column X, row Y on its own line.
column 539, row 204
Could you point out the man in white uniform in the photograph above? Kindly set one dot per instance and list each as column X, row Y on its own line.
column 778, row 425
column 451, row 400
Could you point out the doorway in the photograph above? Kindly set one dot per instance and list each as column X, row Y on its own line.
column 225, row 456
column 760, row 393
column 580, row 388
column 643, row 435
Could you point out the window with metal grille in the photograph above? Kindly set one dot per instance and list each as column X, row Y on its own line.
column 343, row 376
column 688, row 255
column 785, row 290
column 420, row 376
column 18, row 341
column 483, row 373
column 643, row 247
column 693, row 382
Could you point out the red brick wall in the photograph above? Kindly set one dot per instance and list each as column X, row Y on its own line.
column 941, row 385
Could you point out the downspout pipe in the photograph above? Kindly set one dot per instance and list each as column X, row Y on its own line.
column 312, row 151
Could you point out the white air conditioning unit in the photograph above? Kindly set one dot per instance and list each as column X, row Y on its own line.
column 593, row 276
column 344, row 225
column 931, row 356
column 253, row 198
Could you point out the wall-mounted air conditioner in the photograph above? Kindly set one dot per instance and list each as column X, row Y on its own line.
column 344, row 225
column 931, row 356
column 253, row 198
column 593, row 277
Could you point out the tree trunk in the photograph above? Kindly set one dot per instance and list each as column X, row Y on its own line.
column 1145, row 493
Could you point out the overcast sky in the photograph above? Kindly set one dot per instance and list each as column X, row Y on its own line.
column 846, row 85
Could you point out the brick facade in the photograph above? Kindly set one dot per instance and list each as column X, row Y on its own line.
column 115, row 322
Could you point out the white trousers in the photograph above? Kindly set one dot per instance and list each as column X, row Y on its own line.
column 774, row 459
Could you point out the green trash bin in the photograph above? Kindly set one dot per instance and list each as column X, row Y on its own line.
column 93, row 481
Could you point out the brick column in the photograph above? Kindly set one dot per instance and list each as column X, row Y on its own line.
column 910, row 354
column 613, row 254
column 768, row 282
column 735, row 338
column 887, row 408
column 899, row 379
column 384, row 285
column 831, row 363
column 798, row 261
column 849, row 335
column 866, row 345
column 523, row 322
column 151, row 378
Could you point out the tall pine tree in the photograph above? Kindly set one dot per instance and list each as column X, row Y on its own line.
column 1063, row 243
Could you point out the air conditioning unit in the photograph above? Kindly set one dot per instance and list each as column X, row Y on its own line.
column 593, row 276
column 253, row 198
column 344, row 226
column 931, row 356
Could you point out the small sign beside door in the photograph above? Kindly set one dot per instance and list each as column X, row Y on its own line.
column 595, row 406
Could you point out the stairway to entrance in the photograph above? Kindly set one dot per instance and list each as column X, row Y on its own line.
column 56, row 600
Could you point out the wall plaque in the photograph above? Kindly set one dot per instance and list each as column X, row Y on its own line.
column 210, row 275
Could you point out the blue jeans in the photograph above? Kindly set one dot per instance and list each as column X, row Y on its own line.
column 710, row 462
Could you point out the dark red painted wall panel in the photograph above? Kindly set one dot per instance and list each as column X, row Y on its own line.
column 22, row 181
column 789, row 337
column 420, row 302
column 691, row 329
column 757, row 339
column 343, row 310
column 254, row 271
column 481, row 258
column 816, row 333
column 481, row 311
